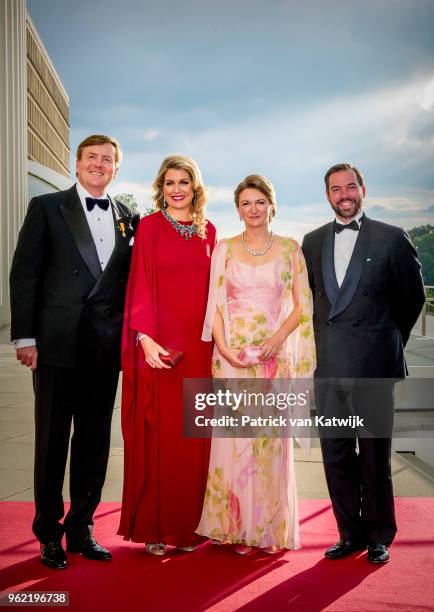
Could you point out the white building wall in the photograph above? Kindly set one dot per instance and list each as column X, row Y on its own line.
column 44, row 180
column 13, row 137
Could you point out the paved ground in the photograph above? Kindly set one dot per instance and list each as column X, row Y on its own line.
column 412, row 477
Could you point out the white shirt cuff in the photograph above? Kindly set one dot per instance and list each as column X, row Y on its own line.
column 24, row 342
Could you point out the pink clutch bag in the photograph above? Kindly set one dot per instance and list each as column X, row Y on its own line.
column 250, row 355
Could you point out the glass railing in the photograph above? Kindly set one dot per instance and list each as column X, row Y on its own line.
column 425, row 324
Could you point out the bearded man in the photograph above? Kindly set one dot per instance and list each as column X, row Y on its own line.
column 368, row 292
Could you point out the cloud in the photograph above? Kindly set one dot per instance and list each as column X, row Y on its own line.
column 142, row 192
column 410, row 209
column 379, row 121
column 386, row 132
column 264, row 90
column 150, row 135
column 220, row 195
column 421, row 131
column 396, row 204
column 427, row 101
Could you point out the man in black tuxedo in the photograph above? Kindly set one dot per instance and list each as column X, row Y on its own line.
column 68, row 281
column 368, row 292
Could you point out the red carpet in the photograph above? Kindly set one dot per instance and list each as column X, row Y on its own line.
column 215, row 578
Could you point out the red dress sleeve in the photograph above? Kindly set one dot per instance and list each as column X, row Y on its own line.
column 140, row 316
column 140, row 298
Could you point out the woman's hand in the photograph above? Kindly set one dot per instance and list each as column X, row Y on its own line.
column 152, row 352
column 271, row 347
column 231, row 355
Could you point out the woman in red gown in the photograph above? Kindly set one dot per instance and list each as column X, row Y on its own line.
column 164, row 472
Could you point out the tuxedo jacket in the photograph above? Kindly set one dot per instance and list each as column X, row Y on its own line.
column 59, row 293
column 362, row 326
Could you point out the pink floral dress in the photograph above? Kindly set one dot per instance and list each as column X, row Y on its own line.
column 251, row 490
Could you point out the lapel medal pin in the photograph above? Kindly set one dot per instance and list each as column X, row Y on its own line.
column 122, row 228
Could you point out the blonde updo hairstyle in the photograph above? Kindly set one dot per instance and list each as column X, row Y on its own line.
column 262, row 184
column 198, row 204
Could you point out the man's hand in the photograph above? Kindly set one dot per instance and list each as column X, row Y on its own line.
column 28, row 356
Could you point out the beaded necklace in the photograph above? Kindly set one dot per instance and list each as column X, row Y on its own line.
column 257, row 253
column 186, row 231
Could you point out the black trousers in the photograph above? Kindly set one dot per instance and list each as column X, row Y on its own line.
column 358, row 465
column 85, row 397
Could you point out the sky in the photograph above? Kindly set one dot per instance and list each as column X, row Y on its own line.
column 282, row 88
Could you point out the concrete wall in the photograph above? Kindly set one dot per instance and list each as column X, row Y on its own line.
column 22, row 53
column 13, row 137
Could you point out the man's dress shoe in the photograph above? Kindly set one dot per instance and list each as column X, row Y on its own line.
column 343, row 549
column 378, row 553
column 53, row 555
column 88, row 547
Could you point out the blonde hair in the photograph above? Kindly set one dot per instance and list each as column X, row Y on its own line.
column 99, row 139
column 262, row 184
column 197, row 208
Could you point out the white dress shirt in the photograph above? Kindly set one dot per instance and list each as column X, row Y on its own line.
column 102, row 228
column 345, row 242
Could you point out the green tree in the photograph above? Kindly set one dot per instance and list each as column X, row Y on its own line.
column 128, row 199
column 423, row 239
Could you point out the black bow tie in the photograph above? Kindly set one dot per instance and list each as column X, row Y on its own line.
column 340, row 227
column 101, row 202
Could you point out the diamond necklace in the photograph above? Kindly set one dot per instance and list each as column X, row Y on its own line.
column 257, row 253
column 186, row 231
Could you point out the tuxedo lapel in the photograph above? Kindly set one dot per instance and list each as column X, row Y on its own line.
column 123, row 235
column 75, row 218
column 122, row 220
column 328, row 266
column 354, row 271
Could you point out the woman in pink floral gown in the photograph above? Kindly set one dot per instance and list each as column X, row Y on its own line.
column 259, row 297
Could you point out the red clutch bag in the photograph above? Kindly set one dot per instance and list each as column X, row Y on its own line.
column 173, row 358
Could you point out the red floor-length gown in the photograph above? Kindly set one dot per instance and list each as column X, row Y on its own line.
column 164, row 472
